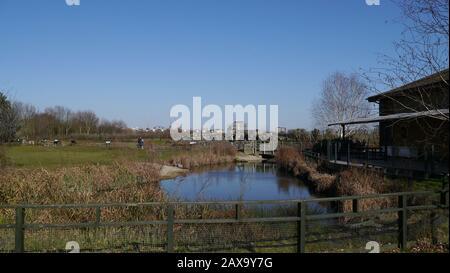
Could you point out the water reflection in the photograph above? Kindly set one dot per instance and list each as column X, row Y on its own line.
column 249, row 181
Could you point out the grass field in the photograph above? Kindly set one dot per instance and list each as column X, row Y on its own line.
column 40, row 156
column 96, row 153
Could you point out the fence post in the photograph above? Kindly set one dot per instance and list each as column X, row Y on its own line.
column 433, row 220
column 301, row 226
column 355, row 206
column 170, row 220
column 98, row 215
column 444, row 192
column 402, row 222
column 20, row 231
column 237, row 212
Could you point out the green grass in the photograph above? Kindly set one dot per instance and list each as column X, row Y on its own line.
column 418, row 184
column 428, row 185
column 39, row 156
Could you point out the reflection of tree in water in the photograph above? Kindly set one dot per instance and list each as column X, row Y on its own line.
column 266, row 167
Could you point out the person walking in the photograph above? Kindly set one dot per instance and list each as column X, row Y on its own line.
column 141, row 143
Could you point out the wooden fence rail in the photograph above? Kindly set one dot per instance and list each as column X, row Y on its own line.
column 403, row 209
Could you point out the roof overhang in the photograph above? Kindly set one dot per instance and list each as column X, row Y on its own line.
column 433, row 80
column 412, row 115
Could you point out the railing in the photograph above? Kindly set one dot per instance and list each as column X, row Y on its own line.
column 343, row 153
column 402, row 209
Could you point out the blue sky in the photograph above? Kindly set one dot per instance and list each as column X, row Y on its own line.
column 135, row 59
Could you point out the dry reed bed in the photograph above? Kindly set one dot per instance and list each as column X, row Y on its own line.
column 347, row 183
column 120, row 182
column 198, row 156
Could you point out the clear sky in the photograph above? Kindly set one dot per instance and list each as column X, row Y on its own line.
column 134, row 59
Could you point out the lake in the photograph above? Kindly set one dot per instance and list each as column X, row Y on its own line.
column 246, row 181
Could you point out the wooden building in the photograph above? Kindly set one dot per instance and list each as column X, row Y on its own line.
column 413, row 126
column 414, row 118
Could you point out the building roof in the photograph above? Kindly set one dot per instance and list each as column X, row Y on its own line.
column 430, row 80
column 393, row 117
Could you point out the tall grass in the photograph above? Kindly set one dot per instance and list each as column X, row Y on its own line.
column 290, row 159
column 121, row 182
column 86, row 184
column 212, row 154
column 346, row 183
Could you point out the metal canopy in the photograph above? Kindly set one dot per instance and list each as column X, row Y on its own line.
column 392, row 117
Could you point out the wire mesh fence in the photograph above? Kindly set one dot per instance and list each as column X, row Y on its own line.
column 232, row 227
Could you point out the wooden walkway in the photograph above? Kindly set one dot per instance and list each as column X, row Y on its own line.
column 397, row 166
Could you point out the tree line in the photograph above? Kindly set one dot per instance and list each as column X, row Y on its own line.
column 24, row 121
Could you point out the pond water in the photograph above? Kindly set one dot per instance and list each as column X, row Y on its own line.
column 247, row 182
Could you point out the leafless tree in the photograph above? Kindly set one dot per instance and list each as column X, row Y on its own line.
column 343, row 98
column 422, row 51
column 25, row 114
column 88, row 120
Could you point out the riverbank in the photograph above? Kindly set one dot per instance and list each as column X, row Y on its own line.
column 346, row 183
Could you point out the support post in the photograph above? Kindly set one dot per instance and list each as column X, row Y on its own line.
column 301, row 226
column 348, row 153
column 170, row 223
column 20, row 230
column 402, row 222
column 328, row 150
column 98, row 215
column 335, row 152
column 367, row 155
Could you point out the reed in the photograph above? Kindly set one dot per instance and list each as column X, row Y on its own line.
column 349, row 182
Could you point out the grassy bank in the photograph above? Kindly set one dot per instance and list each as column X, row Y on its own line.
column 92, row 153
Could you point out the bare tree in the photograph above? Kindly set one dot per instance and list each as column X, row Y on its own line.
column 422, row 51
column 88, row 121
column 418, row 71
column 343, row 98
column 25, row 114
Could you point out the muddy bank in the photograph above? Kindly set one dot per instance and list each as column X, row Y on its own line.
column 169, row 172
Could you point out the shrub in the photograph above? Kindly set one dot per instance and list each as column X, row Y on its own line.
column 361, row 182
